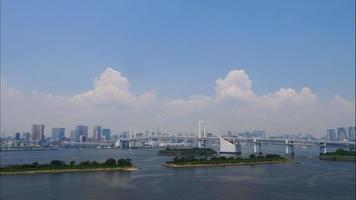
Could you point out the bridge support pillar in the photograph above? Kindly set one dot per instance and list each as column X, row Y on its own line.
column 287, row 146
column 259, row 149
column 323, row 149
column 238, row 147
column 292, row 149
column 254, row 146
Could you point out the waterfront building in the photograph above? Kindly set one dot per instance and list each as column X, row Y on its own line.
column 342, row 134
column 37, row 133
column 331, row 135
column 253, row 134
column 17, row 136
column 97, row 134
column 81, row 133
column 58, row 134
column 209, row 135
column 351, row 133
column 26, row 136
column 158, row 132
column 73, row 135
column 147, row 133
column 229, row 134
column 107, row 134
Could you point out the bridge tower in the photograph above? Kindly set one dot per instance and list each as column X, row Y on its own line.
column 201, row 134
column 132, row 136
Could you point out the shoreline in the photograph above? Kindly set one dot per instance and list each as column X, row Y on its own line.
column 127, row 169
column 337, row 158
column 228, row 164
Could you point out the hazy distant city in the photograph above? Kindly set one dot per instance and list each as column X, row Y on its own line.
column 177, row 100
column 82, row 134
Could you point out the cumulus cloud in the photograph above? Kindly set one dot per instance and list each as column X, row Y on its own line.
column 234, row 106
column 236, row 84
column 112, row 87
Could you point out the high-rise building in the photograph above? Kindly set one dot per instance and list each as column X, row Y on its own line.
column 97, row 133
column 342, row 133
column 351, row 133
column 73, row 135
column 81, row 133
column 107, row 134
column 158, row 132
column 58, row 134
column 331, row 135
column 147, row 133
column 26, row 136
column 37, row 133
column 17, row 136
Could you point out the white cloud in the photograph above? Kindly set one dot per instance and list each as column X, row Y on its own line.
column 234, row 106
column 112, row 87
column 236, row 84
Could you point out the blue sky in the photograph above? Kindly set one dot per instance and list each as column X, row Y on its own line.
column 179, row 48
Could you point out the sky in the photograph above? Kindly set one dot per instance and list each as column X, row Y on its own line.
column 279, row 66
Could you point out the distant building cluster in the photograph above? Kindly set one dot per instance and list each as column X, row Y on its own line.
column 247, row 135
column 298, row 136
column 37, row 136
column 342, row 134
column 57, row 136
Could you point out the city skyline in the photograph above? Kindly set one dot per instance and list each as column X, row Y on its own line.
column 172, row 100
column 290, row 69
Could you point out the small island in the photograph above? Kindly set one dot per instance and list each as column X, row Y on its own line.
column 57, row 166
column 223, row 161
column 187, row 152
column 339, row 155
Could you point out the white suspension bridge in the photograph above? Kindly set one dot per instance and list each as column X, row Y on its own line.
column 225, row 144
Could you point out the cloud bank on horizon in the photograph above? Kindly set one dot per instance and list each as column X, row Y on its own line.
column 234, row 106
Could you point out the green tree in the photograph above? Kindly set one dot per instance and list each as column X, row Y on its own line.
column 57, row 163
column 72, row 163
column 110, row 162
column 85, row 163
column 35, row 164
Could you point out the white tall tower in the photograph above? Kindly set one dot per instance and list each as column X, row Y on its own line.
column 201, row 133
column 132, row 135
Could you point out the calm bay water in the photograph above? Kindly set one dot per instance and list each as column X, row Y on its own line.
column 311, row 179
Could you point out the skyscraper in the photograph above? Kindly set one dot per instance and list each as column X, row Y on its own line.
column 37, row 133
column 97, row 133
column 58, row 134
column 352, row 132
column 17, row 136
column 331, row 135
column 81, row 133
column 342, row 133
column 73, row 135
column 107, row 134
